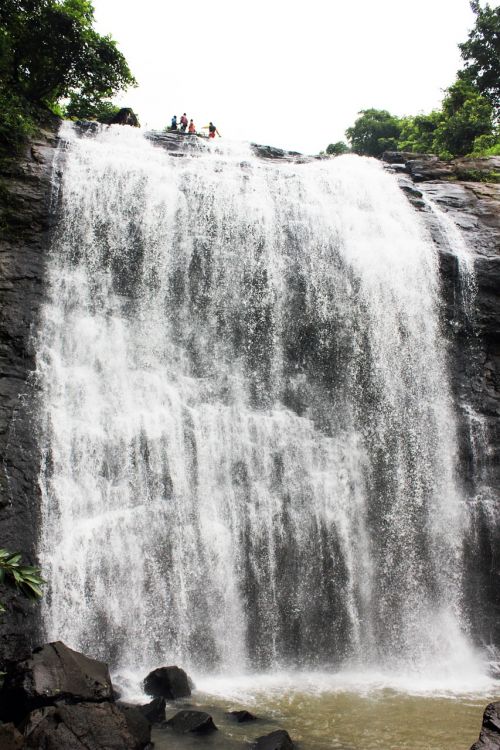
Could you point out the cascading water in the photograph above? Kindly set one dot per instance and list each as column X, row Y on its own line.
column 248, row 439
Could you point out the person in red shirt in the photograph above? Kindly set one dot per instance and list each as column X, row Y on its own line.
column 184, row 122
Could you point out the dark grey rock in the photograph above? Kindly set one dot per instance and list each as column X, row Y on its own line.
column 137, row 723
column 25, row 221
column 10, row 738
column 197, row 722
column 167, row 682
column 489, row 737
column 278, row 740
column 86, row 726
column 153, row 712
column 401, row 157
column 125, row 116
column 241, row 716
column 53, row 673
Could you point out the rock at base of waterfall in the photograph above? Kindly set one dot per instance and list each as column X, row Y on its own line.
column 489, row 738
column 167, row 682
column 153, row 712
column 197, row 722
column 241, row 716
column 86, row 726
column 278, row 740
column 52, row 673
column 10, row 738
column 137, row 723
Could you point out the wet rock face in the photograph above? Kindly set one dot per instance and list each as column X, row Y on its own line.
column 192, row 722
column 53, row 673
column 474, row 354
column 25, row 219
column 167, row 682
column 489, row 738
column 86, row 726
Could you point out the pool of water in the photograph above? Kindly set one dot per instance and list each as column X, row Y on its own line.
column 344, row 711
column 369, row 719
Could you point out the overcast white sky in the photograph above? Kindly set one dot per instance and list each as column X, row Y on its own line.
column 285, row 73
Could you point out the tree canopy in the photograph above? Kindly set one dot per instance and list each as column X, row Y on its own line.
column 49, row 50
column 481, row 53
column 467, row 122
column 374, row 132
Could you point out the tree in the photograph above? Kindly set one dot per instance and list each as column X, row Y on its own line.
column 49, row 50
column 25, row 578
column 338, row 148
column 481, row 53
column 374, row 132
column 466, row 116
column 54, row 51
column 418, row 133
column 82, row 109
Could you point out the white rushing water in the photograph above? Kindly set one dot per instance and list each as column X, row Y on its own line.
column 248, row 439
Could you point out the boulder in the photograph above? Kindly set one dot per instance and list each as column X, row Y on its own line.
column 489, row 737
column 278, row 740
column 10, row 738
column 241, row 716
column 125, row 116
column 52, row 673
column 167, row 682
column 86, row 726
column 137, row 723
column 197, row 722
column 153, row 712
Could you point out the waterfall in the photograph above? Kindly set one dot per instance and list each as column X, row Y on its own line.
column 247, row 431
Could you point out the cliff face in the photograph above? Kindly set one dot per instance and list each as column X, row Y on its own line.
column 25, row 194
column 472, row 320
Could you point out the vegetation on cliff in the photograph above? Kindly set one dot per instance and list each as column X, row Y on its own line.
column 50, row 51
column 467, row 122
column 14, row 573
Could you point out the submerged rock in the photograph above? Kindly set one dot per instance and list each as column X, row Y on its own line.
column 278, row 740
column 53, row 673
column 241, row 716
column 197, row 722
column 167, row 682
column 489, row 738
column 86, row 726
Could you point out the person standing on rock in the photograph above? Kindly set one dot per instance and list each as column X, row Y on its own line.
column 173, row 126
column 184, row 122
column 191, row 129
column 212, row 130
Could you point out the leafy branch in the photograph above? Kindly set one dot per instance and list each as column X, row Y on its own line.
column 25, row 578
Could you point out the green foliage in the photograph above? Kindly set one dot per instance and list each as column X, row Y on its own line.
column 418, row 133
column 466, row 115
column 49, row 50
column 374, row 132
column 481, row 53
column 17, row 120
column 486, row 145
column 81, row 108
column 335, row 149
column 25, row 578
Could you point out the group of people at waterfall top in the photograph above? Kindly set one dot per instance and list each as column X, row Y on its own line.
column 185, row 126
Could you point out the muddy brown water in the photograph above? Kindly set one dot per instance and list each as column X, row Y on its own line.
column 386, row 720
